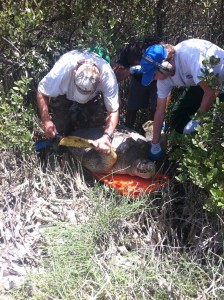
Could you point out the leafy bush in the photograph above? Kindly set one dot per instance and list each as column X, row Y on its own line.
column 17, row 118
column 200, row 155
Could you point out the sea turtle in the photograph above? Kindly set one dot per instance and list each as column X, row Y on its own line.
column 130, row 147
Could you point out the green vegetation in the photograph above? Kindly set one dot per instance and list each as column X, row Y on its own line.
column 81, row 240
column 200, row 156
column 17, row 119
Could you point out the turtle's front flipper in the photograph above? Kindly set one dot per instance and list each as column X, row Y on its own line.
column 94, row 160
column 76, row 141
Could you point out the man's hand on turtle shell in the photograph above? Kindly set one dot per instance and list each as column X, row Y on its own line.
column 103, row 144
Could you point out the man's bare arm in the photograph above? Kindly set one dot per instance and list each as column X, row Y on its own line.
column 158, row 120
column 48, row 126
column 208, row 97
column 121, row 72
column 104, row 143
column 111, row 121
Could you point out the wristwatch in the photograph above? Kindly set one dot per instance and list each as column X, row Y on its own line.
column 111, row 136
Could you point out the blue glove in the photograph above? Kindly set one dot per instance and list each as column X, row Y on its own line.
column 190, row 127
column 155, row 152
column 135, row 69
column 42, row 144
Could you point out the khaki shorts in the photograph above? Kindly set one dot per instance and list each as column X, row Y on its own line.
column 69, row 115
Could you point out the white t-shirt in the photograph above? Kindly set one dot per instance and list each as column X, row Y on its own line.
column 60, row 79
column 188, row 61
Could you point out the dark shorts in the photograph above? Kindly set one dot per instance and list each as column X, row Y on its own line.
column 69, row 115
column 142, row 97
column 186, row 106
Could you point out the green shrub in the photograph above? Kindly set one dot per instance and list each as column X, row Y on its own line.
column 16, row 118
column 200, row 155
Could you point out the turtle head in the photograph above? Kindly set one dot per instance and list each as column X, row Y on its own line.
column 143, row 168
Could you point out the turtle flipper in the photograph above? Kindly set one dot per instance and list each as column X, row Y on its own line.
column 102, row 164
column 76, row 141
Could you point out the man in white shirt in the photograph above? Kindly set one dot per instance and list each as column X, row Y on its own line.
column 72, row 85
column 183, row 68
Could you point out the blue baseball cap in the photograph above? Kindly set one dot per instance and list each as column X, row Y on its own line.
column 157, row 53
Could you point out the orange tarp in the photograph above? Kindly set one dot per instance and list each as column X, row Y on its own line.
column 131, row 185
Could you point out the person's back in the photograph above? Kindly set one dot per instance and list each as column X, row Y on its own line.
column 101, row 51
column 189, row 56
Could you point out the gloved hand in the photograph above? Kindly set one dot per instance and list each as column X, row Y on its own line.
column 155, row 152
column 135, row 69
column 190, row 127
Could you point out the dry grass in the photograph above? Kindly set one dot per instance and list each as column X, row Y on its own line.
column 72, row 238
column 30, row 199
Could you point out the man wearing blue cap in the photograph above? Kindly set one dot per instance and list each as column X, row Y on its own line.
column 175, row 67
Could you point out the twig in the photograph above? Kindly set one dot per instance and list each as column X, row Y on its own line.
column 11, row 44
